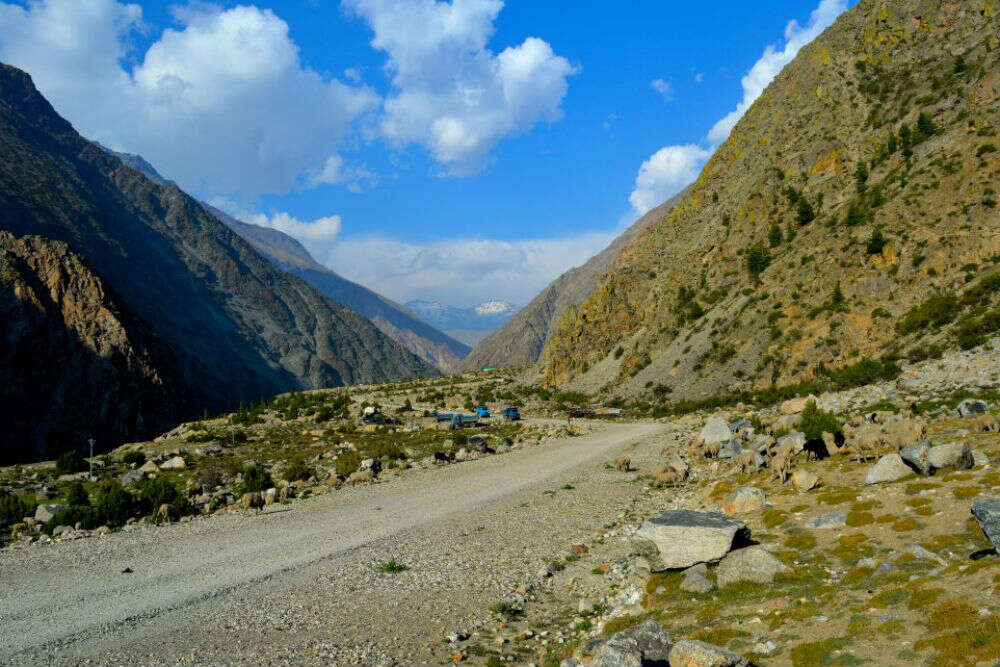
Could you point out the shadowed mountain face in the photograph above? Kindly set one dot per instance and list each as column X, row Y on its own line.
column 521, row 340
column 238, row 327
column 290, row 256
column 852, row 213
column 74, row 362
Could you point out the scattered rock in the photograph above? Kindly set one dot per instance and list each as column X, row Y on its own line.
column 889, row 468
column 794, row 406
column 754, row 564
column 744, row 499
column 987, row 513
column 980, row 459
column 970, row 407
column 691, row 653
column 681, row 538
column 829, row 520
column 585, row 606
column 803, row 480
column 133, row 477
column 644, row 645
column 916, row 456
column 176, row 463
column 695, row 580
column 716, row 431
column 149, row 467
column 44, row 513
column 360, row 477
column 730, row 450
column 952, row 455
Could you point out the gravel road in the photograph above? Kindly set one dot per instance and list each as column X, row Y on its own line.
column 301, row 585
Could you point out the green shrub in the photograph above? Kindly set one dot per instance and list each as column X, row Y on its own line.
column 113, row 504
column 347, row 463
column 758, row 259
column 814, row 422
column 876, row 243
column 134, row 459
column 973, row 331
column 936, row 311
column 155, row 492
column 255, row 480
column 297, row 469
column 76, row 495
column 70, row 462
column 14, row 507
column 805, row 212
column 986, row 148
column 72, row 515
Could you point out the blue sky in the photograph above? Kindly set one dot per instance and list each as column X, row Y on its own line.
column 458, row 151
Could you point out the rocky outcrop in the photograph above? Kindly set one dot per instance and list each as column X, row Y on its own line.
column 681, row 538
column 75, row 363
column 814, row 236
column 521, row 340
column 239, row 328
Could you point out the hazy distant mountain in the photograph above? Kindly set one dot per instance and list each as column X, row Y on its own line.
column 521, row 340
column 237, row 327
column 469, row 325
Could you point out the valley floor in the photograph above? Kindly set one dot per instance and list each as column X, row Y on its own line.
column 302, row 584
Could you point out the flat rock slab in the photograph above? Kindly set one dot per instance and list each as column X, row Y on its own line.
column 987, row 513
column 690, row 653
column 889, row 468
column 753, row 564
column 680, row 538
column 830, row 520
column 645, row 644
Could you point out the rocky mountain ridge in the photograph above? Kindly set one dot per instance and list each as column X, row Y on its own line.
column 859, row 185
column 239, row 328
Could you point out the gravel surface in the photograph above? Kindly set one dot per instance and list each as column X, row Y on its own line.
column 301, row 585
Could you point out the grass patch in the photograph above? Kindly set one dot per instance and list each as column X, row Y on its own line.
column 924, row 597
column 774, row 517
column 801, row 542
column 857, row 519
column 906, row 525
column 391, row 566
column 817, row 654
column 965, row 492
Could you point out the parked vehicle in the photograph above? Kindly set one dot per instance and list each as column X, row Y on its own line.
column 463, row 421
column 511, row 414
column 483, row 412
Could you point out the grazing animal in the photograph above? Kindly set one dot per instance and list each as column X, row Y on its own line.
column 866, row 441
column 831, row 443
column 816, row 449
column 694, row 447
column 666, row 476
column 623, row 464
column 985, row 423
column 747, row 461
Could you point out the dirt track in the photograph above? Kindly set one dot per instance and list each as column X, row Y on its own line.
column 301, row 585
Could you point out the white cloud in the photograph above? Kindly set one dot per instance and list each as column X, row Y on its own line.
column 664, row 88
column 225, row 86
column 774, row 60
column 672, row 168
column 665, row 174
column 310, row 232
column 335, row 171
column 458, row 271
column 451, row 93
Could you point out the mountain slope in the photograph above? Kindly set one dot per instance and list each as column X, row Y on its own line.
column 74, row 362
column 394, row 320
column 521, row 340
column 239, row 328
column 862, row 182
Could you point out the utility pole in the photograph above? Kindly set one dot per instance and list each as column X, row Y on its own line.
column 91, row 476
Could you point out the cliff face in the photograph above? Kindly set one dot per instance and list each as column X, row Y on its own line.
column 74, row 362
column 861, row 182
column 521, row 340
column 239, row 328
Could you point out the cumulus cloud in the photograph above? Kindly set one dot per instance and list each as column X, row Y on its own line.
column 227, row 86
column 451, row 94
column 774, row 60
column 672, row 168
column 663, row 87
column 335, row 171
column 314, row 233
column 458, row 271
column 665, row 174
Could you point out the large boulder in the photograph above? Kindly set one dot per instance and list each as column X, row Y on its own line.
column 133, row 477
column 44, row 513
column 730, row 450
column 793, row 406
column 716, row 430
column 987, row 513
column 176, row 463
column 640, row 646
column 680, row 538
column 691, row 653
column 889, row 468
column 744, row 499
column 695, row 581
column 804, row 480
column 754, row 564
column 916, row 456
column 951, row 455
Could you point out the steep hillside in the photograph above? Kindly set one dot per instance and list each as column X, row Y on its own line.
column 394, row 320
column 521, row 340
column 74, row 362
column 240, row 328
column 861, row 184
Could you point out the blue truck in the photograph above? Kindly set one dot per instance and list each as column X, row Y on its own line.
column 483, row 412
column 462, row 421
column 511, row 414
